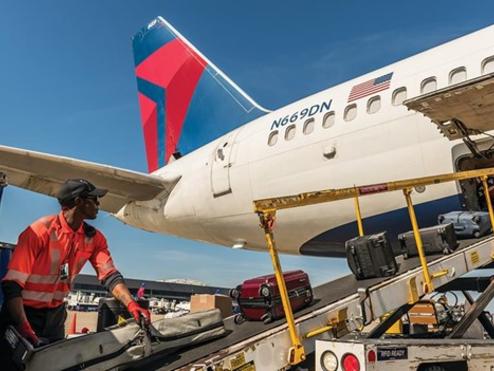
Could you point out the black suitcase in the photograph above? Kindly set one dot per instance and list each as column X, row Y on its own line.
column 438, row 239
column 371, row 256
column 109, row 309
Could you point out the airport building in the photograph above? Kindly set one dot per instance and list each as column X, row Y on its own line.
column 88, row 284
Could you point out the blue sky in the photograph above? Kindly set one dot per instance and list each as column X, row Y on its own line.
column 67, row 87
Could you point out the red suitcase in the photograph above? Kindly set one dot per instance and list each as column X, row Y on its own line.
column 259, row 298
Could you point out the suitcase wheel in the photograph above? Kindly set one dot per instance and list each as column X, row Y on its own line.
column 238, row 319
column 309, row 296
column 264, row 291
column 266, row 318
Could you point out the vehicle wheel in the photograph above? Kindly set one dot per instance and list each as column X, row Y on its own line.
column 238, row 319
column 476, row 234
column 264, row 291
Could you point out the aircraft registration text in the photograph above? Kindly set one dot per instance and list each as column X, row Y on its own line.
column 301, row 114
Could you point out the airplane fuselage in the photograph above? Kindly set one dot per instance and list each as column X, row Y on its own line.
column 382, row 142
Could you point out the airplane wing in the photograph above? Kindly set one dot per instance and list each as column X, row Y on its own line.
column 471, row 102
column 44, row 173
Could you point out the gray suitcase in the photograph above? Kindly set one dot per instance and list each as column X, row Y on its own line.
column 438, row 239
column 371, row 256
column 467, row 223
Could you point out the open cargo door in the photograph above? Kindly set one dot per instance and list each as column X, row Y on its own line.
column 459, row 110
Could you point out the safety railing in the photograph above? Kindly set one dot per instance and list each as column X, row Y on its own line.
column 267, row 208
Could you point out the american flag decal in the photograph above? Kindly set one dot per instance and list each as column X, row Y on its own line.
column 370, row 87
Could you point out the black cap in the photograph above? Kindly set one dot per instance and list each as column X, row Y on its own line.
column 73, row 188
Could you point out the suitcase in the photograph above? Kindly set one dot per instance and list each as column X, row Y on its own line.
column 467, row 223
column 110, row 309
column 259, row 298
column 371, row 256
column 438, row 239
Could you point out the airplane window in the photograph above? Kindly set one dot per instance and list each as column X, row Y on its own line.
column 350, row 112
column 399, row 96
column 273, row 138
column 309, row 126
column 290, row 132
column 457, row 75
column 428, row 85
column 488, row 65
column 328, row 120
column 374, row 104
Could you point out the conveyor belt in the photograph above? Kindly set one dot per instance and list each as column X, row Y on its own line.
column 325, row 294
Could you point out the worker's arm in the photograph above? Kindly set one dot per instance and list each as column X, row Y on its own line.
column 122, row 294
column 15, row 307
column 16, row 311
column 19, row 269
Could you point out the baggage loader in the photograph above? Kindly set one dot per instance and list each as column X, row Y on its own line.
column 259, row 298
column 371, row 256
column 438, row 239
column 467, row 224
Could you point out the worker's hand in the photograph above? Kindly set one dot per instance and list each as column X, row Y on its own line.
column 28, row 333
column 136, row 310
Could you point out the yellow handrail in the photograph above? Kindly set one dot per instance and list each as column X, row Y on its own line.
column 487, row 196
column 358, row 214
column 296, row 353
column 326, row 195
column 418, row 241
column 266, row 209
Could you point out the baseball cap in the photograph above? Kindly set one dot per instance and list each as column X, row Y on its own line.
column 73, row 188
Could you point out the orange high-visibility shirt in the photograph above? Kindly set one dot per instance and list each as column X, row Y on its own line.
column 43, row 249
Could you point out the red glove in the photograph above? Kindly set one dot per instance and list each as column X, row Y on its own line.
column 28, row 333
column 136, row 310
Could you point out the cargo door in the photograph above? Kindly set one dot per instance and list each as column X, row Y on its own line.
column 220, row 165
column 461, row 109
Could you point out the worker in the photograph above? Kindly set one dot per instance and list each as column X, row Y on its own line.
column 141, row 291
column 49, row 255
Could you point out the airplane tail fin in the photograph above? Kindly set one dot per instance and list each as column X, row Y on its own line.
column 185, row 100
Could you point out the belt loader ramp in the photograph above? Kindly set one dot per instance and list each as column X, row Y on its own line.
column 342, row 306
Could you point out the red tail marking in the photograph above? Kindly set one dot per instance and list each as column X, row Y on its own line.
column 176, row 68
column 149, row 120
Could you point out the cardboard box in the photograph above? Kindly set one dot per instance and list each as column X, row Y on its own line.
column 203, row 302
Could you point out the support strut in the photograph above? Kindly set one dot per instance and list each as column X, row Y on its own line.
column 473, row 313
column 484, row 320
column 296, row 353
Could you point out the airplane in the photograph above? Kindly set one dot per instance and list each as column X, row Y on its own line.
column 211, row 149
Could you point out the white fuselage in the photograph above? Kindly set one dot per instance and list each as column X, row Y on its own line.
column 213, row 200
